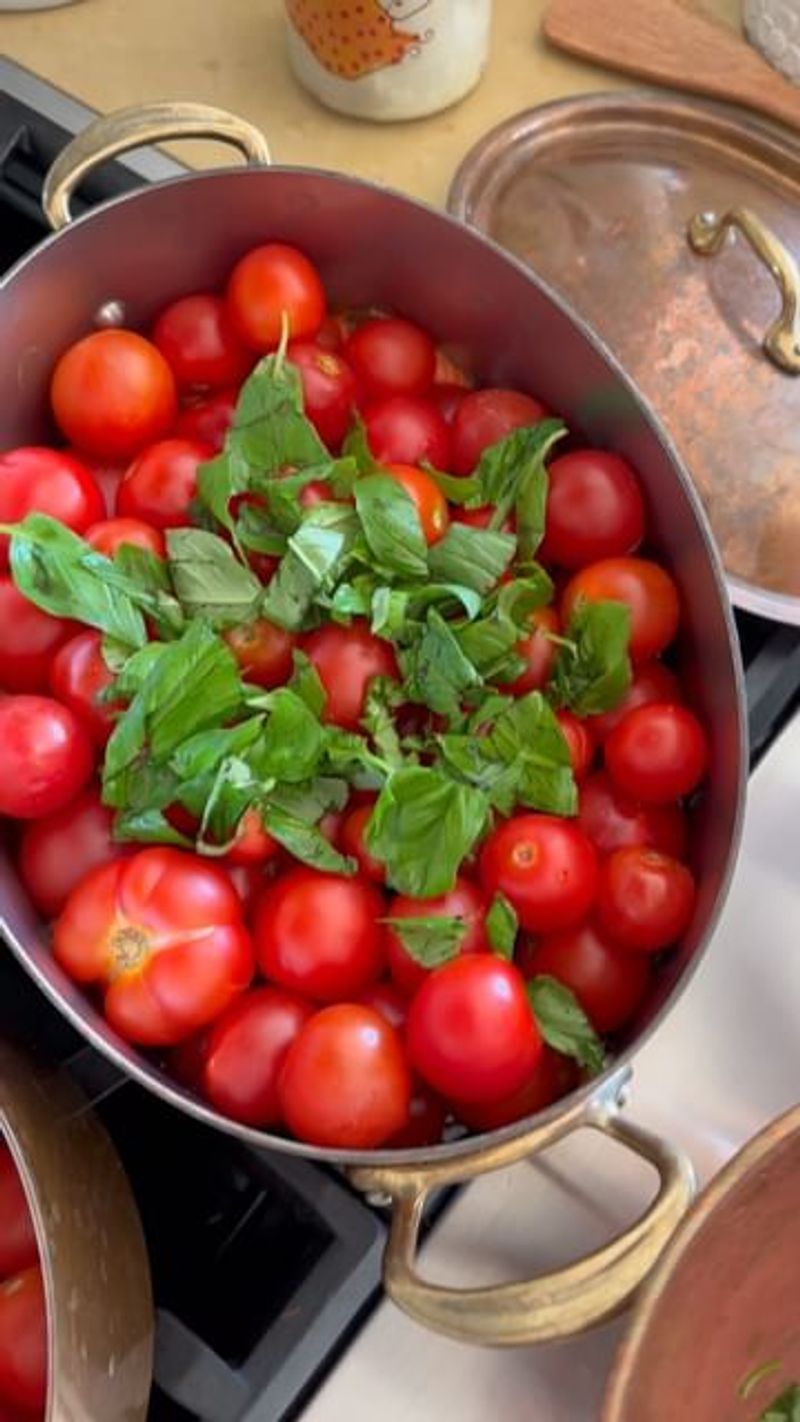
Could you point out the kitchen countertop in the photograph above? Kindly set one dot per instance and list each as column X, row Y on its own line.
column 111, row 53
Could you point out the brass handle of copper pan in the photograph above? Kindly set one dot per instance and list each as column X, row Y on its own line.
column 112, row 134
column 707, row 233
column 555, row 1305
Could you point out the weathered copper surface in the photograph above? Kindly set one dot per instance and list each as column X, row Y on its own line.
column 596, row 194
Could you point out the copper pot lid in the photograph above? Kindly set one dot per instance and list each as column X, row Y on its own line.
column 598, row 194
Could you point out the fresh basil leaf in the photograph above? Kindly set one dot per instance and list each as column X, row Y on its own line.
column 430, row 941
column 435, row 669
column 501, row 927
column 220, row 480
column 209, row 580
column 463, row 492
column 391, row 526
column 356, row 447
column 255, row 531
column 203, row 753
column 592, row 671
column 353, row 599
column 311, row 801
column 383, row 699
column 305, row 683
column 422, row 826
column 564, row 1024
column 785, row 1408
column 522, row 596
column 490, row 644
column 305, row 842
column 511, row 475
column 516, row 754
column 315, row 556
column 472, row 557
column 270, row 430
column 292, row 741
column 135, row 670
column 532, row 487
column 148, row 827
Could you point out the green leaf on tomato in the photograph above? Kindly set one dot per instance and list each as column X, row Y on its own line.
column 511, row 474
column 422, row 826
column 564, row 1024
column 436, row 671
column 391, row 526
column 209, row 580
column 514, row 750
column 592, row 671
column 430, row 941
column 785, row 1408
column 383, row 699
column 305, row 842
column 305, row 682
column 502, row 925
column 316, row 555
column 471, row 557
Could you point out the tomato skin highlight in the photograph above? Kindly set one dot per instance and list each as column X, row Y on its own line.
column 45, row 756
column 645, row 899
column 610, row 984
column 465, row 901
column 245, row 1052
column 56, row 852
column 658, row 753
column 269, row 284
column 320, row 934
column 594, row 509
column 546, row 867
column 34, row 479
column 113, row 393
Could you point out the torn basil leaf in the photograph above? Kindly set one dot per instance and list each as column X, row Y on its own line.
column 564, row 1024
column 501, row 927
column 592, row 670
column 423, row 825
column 430, row 941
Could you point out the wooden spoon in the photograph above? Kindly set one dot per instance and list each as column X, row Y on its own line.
column 668, row 42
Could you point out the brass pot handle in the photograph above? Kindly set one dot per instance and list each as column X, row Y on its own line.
column 552, row 1306
column 111, row 134
column 707, row 232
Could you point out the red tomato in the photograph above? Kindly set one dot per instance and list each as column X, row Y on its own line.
column 391, row 356
column 320, row 934
column 271, row 284
column 161, row 484
column 346, row 660
column 546, row 867
column 330, row 389
column 648, row 591
column 332, row 333
column 78, row 677
column 18, row 1247
column 246, row 1049
column 161, row 934
column 57, row 852
column 45, row 756
column 610, row 985
column 406, row 429
column 107, row 475
column 594, row 509
column 427, row 498
column 552, row 1077
column 652, row 682
column 23, row 1341
column 263, row 651
column 249, row 881
column 351, row 841
column 448, row 397
column 579, row 739
column 207, row 421
column 253, row 844
column 480, row 518
column 345, row 1081
column 113, row 393
column 196, row 338
column 644, row 899
column 427, row 1114
column 464, row 901
column 612, row 820
column 539, row 651
column 29, row 639
column 386, row 999
column 319, row 492
column 471, row 1030
column 49, row 481
column 657, row 753
column 111, row 534
column 486, row 416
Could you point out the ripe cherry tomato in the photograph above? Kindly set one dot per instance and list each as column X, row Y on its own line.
column 107, row 475
column 271, row 284
column 346, row 659
column 23, row 1341
column 651, row 682
column 579, row 739
column 161, row 484
column 45, row 756
column 612, row 820
column 648, row 590
column 351, row 842
column 196, row 338
column 427, row 1114
column 253, row 844
column 317, row 491
column 448, row 397
column 464, row 901
column 18, row 1247
column 481, row 518
column 113, row 393
column 594, row 509
column 644, row 899
column 386, row 999
column 49, row 481
column 657, row 753
column 245, row 1051
column 407, row 429
column 58, row 851
column 546, row 867
column 332, row 333
column 471, row 1030
column 551, row 1078
column 427, row 498
column 161, row 934
column 539, row 651
column 29, row 639
column 263, row 651
column 610, row 985
column 345, row 1081
column 330, row 389
column 78, row 677
column 207, row 421
column 320, row 934
column 486, row 416
column 111, row 534
column 391, row 356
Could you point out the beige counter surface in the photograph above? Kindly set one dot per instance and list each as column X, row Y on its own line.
column 230, row 52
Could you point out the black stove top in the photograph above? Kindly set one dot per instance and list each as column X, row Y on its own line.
column 263, row 1267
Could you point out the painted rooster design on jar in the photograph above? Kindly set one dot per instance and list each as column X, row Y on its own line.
column 351, row 38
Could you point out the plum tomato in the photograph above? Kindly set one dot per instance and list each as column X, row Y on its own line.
column 330, row 390
column 345, row 1082
column 594, row 509
column 48, row 481
column 538, row 650
column 658, row 753
column 78, row 677
column 18, row 1247
column 486, row 416
column 23, row 1342
column 351, row 841
column 45, row 756
column 270, row 285
column 320, row 934
column 612, row 820
column 427, row 1114
column 610, row 984
column 552, row 1077
column 263, row 651
column 245, row 1051
column 112, row 394
column 252, row 845
column 391, row 356
column 407, row 429
column 207, row 421
column 196, row 338
column 29, row 639
column 471, row 1032
column 644, row 899
column 111, row 534
column 651, row 682
column 427, row 498
column 646, row 588
column 346, row 659
column 465, row 901
column 160, row 486
column 161, row 935
column 578, row 737
column 56, row 852
column 546, row 867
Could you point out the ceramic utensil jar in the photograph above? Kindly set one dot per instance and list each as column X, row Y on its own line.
column 388, row 59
